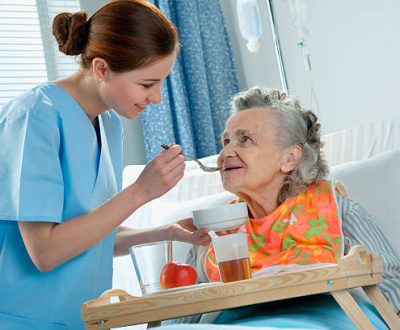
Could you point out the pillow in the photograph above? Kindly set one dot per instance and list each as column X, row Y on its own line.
column 195, row 183
column 375, row 183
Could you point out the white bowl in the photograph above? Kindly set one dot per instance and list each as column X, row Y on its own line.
column 222, row 217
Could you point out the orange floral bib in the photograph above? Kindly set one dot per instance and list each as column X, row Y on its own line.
column 304, row 230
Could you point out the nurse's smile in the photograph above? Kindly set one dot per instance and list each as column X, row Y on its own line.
column 140, row 108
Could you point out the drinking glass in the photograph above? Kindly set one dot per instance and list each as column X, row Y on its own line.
column 148, row 260
column 232, row 255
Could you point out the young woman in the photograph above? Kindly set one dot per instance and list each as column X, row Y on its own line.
column 61, row 202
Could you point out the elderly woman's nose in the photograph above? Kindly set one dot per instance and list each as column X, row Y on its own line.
column 219, row 160
column 227, row 151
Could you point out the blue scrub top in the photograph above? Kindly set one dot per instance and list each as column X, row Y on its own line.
column 52, row 169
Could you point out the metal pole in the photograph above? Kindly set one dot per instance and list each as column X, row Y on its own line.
column 277, row 47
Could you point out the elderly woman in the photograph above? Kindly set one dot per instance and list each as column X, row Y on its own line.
column 272, row 160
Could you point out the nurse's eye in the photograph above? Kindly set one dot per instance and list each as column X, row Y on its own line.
column 147, row 86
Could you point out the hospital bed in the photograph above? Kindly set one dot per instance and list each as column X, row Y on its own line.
column 366, row 159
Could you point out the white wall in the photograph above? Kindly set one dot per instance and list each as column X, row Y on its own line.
column 253, row 68
column 354, row 55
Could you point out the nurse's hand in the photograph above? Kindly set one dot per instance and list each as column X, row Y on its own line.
column 185, row 231
column 161, row 174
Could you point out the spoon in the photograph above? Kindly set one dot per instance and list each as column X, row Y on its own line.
column 202, row 166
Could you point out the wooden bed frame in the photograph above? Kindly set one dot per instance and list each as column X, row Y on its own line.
column 359, row 268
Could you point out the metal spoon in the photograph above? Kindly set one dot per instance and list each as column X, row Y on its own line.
column 202, row 166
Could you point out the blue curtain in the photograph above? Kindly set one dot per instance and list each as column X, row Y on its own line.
column 196, row 95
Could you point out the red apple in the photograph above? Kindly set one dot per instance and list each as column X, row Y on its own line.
column 176, row 274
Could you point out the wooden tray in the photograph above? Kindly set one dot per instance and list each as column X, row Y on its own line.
column 358, row 269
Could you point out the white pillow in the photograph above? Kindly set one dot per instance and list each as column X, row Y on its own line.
column 196, row 183
column 375, row 183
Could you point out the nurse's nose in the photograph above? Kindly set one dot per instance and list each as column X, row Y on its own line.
column 155, row 96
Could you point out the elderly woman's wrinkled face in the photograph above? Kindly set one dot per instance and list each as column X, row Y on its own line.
column 251, row 161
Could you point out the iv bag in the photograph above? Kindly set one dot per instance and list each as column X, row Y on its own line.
column 250, row 23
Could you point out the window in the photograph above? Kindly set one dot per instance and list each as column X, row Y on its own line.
column 28, row 52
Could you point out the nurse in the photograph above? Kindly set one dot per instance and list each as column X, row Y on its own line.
column 61, row 204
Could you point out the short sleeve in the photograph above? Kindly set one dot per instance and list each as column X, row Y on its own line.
column 32, row 187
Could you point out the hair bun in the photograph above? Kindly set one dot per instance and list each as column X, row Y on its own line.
column 70, row 31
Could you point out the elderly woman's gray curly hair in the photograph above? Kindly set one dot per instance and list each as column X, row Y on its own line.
column 295, row 125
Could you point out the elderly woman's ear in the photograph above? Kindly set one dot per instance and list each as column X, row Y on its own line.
column 291, row 157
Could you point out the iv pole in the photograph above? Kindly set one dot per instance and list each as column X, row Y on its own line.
column 277, row 47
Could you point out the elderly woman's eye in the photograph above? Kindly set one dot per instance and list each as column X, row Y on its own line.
column 226, row 141
column 244, row 139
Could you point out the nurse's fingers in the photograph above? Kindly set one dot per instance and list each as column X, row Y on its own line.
column 173, row 174
column 167, row 164
column 164, row 164
column 167, row 159
column 171, row 153
column 177, row 161
column 160, row 176
column 177, row 172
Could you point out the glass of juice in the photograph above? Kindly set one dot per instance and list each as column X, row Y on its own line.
column 232, row 256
